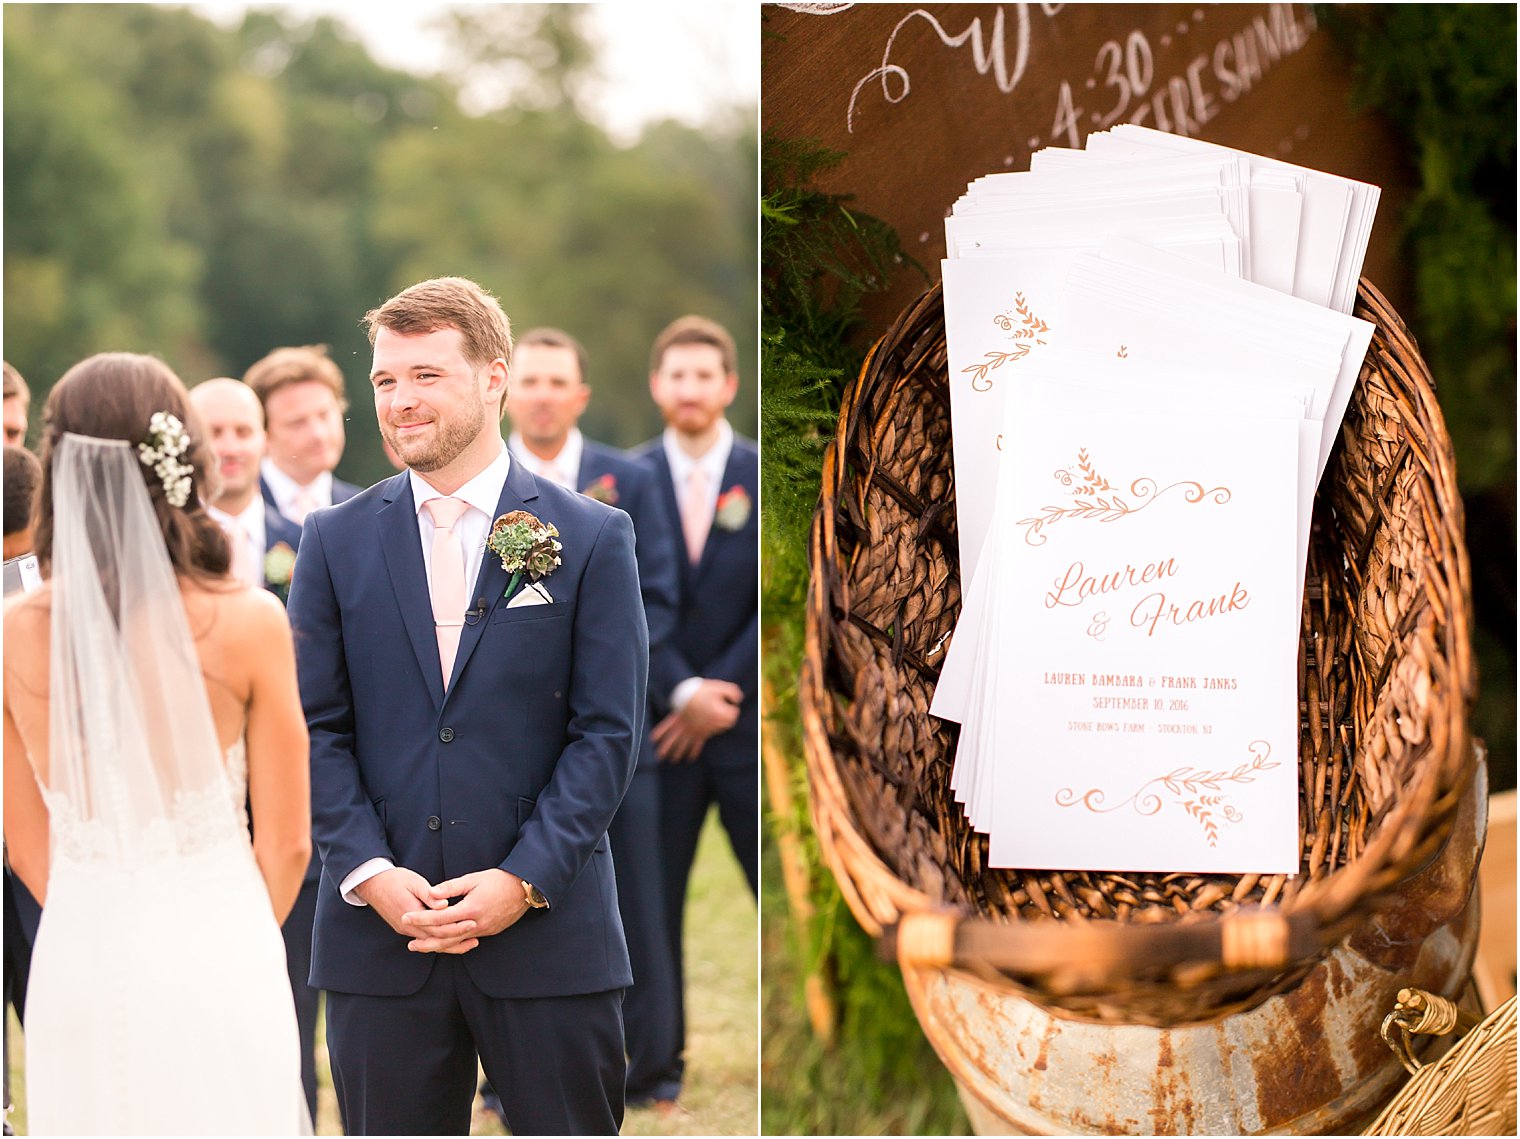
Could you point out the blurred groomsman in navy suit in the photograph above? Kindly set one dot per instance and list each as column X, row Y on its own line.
column 704, row 692
column 304, row 401
column 264, row 547
column 549, row 393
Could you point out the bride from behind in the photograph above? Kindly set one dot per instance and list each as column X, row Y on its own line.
column 148, row 697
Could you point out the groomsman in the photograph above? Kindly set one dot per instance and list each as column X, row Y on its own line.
column 304, row 401
column 23, row 474
column 549, row 393
column 234, row 422
column 18, row 401
column 264, row 545
column 707, row 737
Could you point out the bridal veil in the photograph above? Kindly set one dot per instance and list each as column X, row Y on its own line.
column 158, row 1000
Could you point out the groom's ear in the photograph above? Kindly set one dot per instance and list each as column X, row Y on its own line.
column 497, row 377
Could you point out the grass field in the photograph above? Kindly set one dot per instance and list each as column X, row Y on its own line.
column 879, row 1077
column 722, row 1007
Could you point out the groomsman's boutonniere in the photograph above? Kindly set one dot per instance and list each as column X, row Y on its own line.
column 525, row 546
column 604, row 490
column 279, row 565
column 733, row 509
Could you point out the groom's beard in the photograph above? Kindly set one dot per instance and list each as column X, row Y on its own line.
column 443, row 444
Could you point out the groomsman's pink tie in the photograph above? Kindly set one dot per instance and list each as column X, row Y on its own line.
column 447, row 579
column 302, row 504
column 244, row 566
column 696, row 515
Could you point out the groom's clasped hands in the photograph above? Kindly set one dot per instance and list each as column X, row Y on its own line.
column 489, row 902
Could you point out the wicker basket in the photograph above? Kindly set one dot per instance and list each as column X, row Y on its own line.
column 1386, row 682
column 1468, row 1091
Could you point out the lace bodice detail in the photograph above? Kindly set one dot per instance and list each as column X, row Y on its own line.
column 199, row 821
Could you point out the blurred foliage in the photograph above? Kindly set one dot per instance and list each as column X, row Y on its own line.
column 1444, row 74
column 819, row 260
column 208, row 194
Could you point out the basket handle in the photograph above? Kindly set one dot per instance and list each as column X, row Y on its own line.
column 1070, row 957
column 1428, row 1013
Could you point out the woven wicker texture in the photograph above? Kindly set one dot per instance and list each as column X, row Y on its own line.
column 1468, row 1091
column 1385, row 683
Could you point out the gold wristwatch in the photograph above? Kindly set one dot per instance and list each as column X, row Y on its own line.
column 534, row 896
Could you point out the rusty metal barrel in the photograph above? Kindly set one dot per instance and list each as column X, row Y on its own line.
column 1308, row 1061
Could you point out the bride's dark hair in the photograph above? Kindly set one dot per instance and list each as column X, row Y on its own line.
column 113, row 395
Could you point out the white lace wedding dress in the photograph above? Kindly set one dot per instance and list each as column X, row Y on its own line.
column 158, row 1001
column 146, row 980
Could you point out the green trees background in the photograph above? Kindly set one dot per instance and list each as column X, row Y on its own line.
column 207, row 194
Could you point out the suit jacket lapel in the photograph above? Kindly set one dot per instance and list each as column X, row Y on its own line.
column 588, row 469
column 402, row 546
column 520, row 489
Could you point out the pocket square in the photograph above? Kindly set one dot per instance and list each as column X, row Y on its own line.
column 530, row 594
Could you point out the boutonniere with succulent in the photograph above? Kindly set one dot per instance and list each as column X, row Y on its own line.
column 525, row 546
column 733, row 509
column 604, row 490
column 279, row 565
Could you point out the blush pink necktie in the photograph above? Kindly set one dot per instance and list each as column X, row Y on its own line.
column 696, row 514
column 302, row 504
column 446, row 581
column 244, row 566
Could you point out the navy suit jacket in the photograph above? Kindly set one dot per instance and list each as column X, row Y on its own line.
column 717, row 631
column 634, row 490
column 277, row 529
column 520, row 765
column 341, row 492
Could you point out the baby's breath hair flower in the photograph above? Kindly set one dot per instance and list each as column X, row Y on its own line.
column 167, row 441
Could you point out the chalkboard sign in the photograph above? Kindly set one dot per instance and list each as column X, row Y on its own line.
column 924, row 99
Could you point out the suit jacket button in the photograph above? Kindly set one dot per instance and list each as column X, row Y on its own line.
column 446, row 734
column 434, row 822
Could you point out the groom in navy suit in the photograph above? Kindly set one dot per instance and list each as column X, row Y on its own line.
column 704, row 690
column 473, row 730
column 549, row 395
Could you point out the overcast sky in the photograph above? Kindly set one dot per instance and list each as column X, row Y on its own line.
column 660, row 58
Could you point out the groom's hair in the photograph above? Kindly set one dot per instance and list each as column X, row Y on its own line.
column 448, row 302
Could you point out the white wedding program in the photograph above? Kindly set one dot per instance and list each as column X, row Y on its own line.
column 1150, row 352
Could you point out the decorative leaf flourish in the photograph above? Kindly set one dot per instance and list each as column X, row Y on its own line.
column 1186, row 786
column 1096, row 501
column 1027, row 333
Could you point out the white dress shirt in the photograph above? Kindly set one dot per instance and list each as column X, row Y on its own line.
column 564, row 468
column 483, row 493
column 246, row 528
column 285, row 489
column 713, row 463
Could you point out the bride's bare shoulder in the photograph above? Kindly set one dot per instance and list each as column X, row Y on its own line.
column 26, row 614
column 247, row 617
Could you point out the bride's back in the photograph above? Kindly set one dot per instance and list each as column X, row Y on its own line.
column 231, row 626
column 129, row 547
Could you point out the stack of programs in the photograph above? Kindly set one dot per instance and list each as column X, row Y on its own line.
column 1150, row 353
